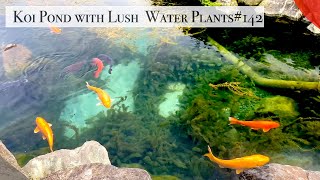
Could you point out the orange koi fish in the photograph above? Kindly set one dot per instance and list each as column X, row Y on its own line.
column 239, row 164
column 54, row 29
column 99, row 64
column 45, row 128
column 102, row 95
column 256, row 125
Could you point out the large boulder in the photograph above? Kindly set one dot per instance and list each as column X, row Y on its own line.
column 281, row 8
column 89, row 152
column 275, row 171
column 16, row 60
column 9, row 168
column 100, row 171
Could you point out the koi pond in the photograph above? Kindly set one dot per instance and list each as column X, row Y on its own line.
column 171, row 94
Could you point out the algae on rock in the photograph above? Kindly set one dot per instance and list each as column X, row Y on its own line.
column 279, row 106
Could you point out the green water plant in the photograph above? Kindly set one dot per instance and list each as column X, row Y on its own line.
column 210, row 3
column 235, row 88
column 275, row 83
column 205, row 111
column 24, row 158
column 251, row 46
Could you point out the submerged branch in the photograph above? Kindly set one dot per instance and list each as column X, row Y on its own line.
column 275, row 83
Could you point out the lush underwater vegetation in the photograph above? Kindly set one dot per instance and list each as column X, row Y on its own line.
column 174, row 146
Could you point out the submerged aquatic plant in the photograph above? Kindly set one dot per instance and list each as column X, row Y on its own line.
column 205, row 118
column 235, row 88
column 252, row 46
column 276, row 83
column 210, row 3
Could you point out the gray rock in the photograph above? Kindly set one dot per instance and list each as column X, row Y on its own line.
column 16, row 60
column 99, row 171
column 228, row 2
column 275, row 171
column 281, row 8
column 314, row 29
column 9, row 168
column 250, row 2
column 89, row 152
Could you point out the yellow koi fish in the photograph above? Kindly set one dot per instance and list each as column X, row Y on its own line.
column 239, row 164
column 102, row 95
column 45, row 128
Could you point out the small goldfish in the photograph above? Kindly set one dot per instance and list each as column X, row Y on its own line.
column 45, row 128
column 54, row 29
column 102, row 95
column 99, row 65
column 239, row 164
column 256, row 125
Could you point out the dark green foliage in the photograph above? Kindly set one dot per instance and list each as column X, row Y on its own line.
column 299, row 58
column 205, row 115
column 252, row 46
column 24, row 158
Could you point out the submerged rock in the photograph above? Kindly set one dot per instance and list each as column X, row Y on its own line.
column 275, row 171
column 15, row 60
column 9, row 168
column 89, row 152
column 100, row 171
column 280, row 106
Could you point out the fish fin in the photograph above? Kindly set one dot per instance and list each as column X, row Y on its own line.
column 36, row 130
column 49, row 124
column 44, row 138
column 233, row 120
column 255, row 128
column 99, row 104
column 265, row 130
column 221, row 166
column 87, row 84
column 238, row 171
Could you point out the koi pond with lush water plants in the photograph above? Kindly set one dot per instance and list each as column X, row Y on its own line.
column 164, row 94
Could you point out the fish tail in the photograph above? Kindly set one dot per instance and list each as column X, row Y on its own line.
column 210, row 155
column 88, row 85
column 233, row 120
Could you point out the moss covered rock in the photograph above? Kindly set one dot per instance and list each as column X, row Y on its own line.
column 280, row 106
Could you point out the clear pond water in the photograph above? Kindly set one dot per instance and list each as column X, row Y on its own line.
column 164, row 113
